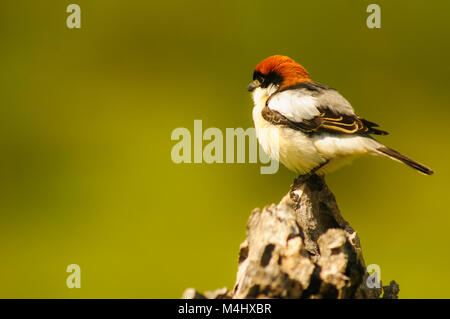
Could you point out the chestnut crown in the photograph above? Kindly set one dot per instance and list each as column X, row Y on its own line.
column 278, row 70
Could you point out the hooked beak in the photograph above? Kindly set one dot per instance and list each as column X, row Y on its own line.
column 253, row 85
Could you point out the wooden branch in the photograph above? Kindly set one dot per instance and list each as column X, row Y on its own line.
column 301, row 248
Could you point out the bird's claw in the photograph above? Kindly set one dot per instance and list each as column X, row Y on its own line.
column 300, row 180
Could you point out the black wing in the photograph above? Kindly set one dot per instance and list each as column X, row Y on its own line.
column 328, row 121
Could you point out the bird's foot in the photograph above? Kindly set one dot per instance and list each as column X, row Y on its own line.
column 301, row 179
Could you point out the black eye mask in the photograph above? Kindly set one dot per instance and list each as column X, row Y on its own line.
column 266, row 80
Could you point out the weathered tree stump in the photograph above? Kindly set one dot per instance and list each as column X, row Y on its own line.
column 300, row 248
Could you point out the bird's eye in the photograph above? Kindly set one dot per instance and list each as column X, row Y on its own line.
column 258, row 76
column 265, row 82
column 260, row 79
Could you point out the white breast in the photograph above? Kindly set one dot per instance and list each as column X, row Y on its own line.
column 292, row 148
column 300, row 152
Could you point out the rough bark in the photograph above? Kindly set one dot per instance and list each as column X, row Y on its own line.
column 301, row 248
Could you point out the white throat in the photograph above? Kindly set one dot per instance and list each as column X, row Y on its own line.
column 261, row 95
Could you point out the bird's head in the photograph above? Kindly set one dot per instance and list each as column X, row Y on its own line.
column 276, row 73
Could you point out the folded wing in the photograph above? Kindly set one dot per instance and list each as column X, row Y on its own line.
column 314, row 108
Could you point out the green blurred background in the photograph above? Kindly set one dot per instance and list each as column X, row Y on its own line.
column 86, row 175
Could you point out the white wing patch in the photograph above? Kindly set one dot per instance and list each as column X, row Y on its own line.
column 295, row 105
column 299, row 105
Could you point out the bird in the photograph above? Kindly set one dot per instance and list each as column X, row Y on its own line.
column 309, row 127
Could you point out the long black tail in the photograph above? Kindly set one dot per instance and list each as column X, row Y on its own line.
column 402, row 158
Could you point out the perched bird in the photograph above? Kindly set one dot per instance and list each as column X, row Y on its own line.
column 309, row 127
